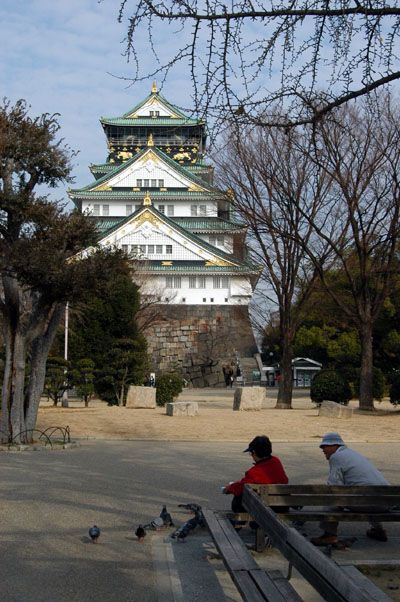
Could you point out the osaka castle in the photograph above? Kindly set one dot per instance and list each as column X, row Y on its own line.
column 154, row 198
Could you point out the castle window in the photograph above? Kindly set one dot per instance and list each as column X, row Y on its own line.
column 203, row 209
column 150, row 249
column 168, row 281
column 183, row 299
column 154, row 114
column 170, row 210
column 146, row 183
column 139, row 183
column 192, row 281
column 161, row 208
column 159, row 249
column 154, row 183
column 201, row 282
column 193, row 210
column 212, row 239
column 134, row 249
column 168, row 249
column 96, row 209
column 216, row 281
column 161, row 183
column 106, row 210
column 137, row 207
column 128, row 209
column 220, row 241
column 212, row 300
column 177, row 281
column 204, row 300
column 143, row 249
column 125, row 248
column 224, row 282
column 226, row 299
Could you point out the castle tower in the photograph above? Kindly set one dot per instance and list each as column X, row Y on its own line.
column 154, row 197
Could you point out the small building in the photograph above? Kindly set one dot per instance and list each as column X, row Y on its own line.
column 303, row 370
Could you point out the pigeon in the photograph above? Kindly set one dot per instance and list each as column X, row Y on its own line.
column 140, row 533
column 94, row 533
column 167, row 519
column 156, row 524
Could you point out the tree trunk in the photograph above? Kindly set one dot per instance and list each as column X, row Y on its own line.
column 39, row 352
column 12, row 422
column 366, row 374
column 284, row 401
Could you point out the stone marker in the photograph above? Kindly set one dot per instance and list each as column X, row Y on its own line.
column 141, row 397
column 249, row 398
column 182, row 408
column 335, row 410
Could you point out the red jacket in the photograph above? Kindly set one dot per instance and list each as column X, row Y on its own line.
column 265, row 471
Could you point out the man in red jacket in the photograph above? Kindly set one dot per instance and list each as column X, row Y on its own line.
column 267, row 469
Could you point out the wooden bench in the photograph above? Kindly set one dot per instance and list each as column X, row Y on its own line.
column 317, row 501
column 334, row 583
column 253, row 583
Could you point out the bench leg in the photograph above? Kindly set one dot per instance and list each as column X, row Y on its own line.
column 261, row 540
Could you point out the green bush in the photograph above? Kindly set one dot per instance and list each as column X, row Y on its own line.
column 395, row 389
column 378, row 383
column 330, row 386
column 168, row 386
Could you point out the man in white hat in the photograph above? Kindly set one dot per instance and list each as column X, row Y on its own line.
column 348, row 467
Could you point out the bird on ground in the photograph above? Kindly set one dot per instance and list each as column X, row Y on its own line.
column 140, row 533
column 156, row 524
column 94, row 533
column 167, row 518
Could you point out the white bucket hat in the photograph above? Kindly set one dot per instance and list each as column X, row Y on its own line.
column 331, row 439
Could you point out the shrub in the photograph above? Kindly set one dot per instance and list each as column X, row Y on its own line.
column 395, row 389
column 169, row 385
column 330, row 386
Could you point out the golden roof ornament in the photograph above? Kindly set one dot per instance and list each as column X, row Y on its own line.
column 150, row 141
column 154, row 88
column 147, row 200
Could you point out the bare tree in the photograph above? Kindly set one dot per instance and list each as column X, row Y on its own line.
column 244, row 56
column 360, row 225
column 275, row 186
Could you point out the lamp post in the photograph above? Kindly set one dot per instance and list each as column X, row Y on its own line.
column 64, row 401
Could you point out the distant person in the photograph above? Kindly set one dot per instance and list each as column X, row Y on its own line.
column 267, row 469
column 348, row 467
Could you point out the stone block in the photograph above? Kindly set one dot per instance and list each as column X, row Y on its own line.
column 331, row 409
column 141, row 397
column 249, row 398
column 182, row 408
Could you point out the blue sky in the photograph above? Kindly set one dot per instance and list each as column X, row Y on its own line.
column 59, row 55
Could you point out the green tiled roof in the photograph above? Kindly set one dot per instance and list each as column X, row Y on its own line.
column 137, row 196
column 145, row 121
column 193, row 224
column 195, row 267
column 125, row 120
column 179, row 168
column 208, row 224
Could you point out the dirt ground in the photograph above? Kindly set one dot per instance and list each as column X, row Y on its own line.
column 217, row 421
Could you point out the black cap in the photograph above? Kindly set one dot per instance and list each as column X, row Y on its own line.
column 261, row 445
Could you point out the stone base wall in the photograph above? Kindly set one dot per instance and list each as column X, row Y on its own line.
column 197, row 341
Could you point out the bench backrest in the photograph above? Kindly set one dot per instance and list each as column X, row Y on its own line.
column 329, row 495
column 329, row 579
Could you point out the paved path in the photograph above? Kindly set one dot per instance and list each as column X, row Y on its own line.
column 48, row 500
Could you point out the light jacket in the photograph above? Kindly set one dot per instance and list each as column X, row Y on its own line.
column 348, row 467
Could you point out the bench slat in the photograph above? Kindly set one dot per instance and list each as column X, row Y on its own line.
column 331, row 499
column 252, row 582
column 392, row 490
column 314, row 515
